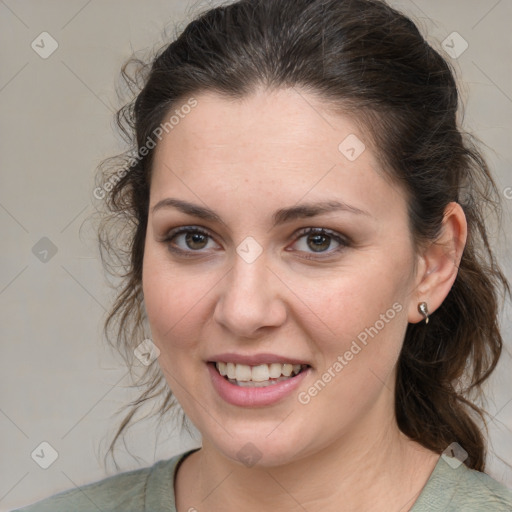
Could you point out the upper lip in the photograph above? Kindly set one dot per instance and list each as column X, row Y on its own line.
column 255, row 359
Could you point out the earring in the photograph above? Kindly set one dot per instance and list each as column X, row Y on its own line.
column 423, row 309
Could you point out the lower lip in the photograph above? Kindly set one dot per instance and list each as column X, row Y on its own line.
column 254, row 396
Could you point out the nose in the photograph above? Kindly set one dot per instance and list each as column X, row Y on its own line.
column 250, row 301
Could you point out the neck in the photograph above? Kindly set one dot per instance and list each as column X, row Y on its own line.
column 361, row 472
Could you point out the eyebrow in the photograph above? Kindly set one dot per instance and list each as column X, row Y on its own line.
column 280, row 216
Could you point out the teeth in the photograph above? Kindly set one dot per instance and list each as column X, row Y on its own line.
column 287, row 370
column 264, row 384
column 243, row 372
column 275, row 370
column 223, row 368
column 259, row 373
column 230, row 370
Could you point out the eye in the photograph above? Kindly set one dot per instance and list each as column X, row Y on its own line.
column 188, row 240
column 319, row 240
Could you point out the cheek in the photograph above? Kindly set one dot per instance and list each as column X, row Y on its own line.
column 367, row 321
column 174, row 301
column 360, row 316
column 353, row 301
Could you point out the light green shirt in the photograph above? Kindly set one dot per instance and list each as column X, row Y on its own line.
column 151, row 489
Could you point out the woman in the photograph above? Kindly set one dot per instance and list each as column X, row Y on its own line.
column 307, row 246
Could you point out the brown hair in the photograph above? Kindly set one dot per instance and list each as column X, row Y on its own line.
column 365, row 58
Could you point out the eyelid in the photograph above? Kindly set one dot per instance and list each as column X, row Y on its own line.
column 321, row 231
column 341, row 239
column 173, row 233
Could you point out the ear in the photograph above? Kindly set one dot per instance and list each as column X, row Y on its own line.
column 438, row 263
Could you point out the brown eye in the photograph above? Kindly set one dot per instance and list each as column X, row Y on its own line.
column 320, row 241
column 188, row 240
column 195, row 240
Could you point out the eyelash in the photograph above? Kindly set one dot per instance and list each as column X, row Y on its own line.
column 343, row 241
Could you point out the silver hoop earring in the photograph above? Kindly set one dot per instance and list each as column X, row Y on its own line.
column 423, row 309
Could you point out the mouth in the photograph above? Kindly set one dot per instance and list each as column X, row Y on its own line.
column 257, row 376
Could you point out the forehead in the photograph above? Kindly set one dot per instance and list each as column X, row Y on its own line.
column 283, row 120
column 284, row 140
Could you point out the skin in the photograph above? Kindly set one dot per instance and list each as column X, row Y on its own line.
column 245, row 159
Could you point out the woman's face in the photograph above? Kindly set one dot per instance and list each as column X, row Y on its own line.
column 255, row 285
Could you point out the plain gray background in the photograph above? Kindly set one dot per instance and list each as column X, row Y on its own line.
column 59, row 382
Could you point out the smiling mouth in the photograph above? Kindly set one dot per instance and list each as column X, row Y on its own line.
column 261, row 375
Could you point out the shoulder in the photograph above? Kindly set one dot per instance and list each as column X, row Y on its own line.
column 124, row 492
column 108, row 494
column 453, row 487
